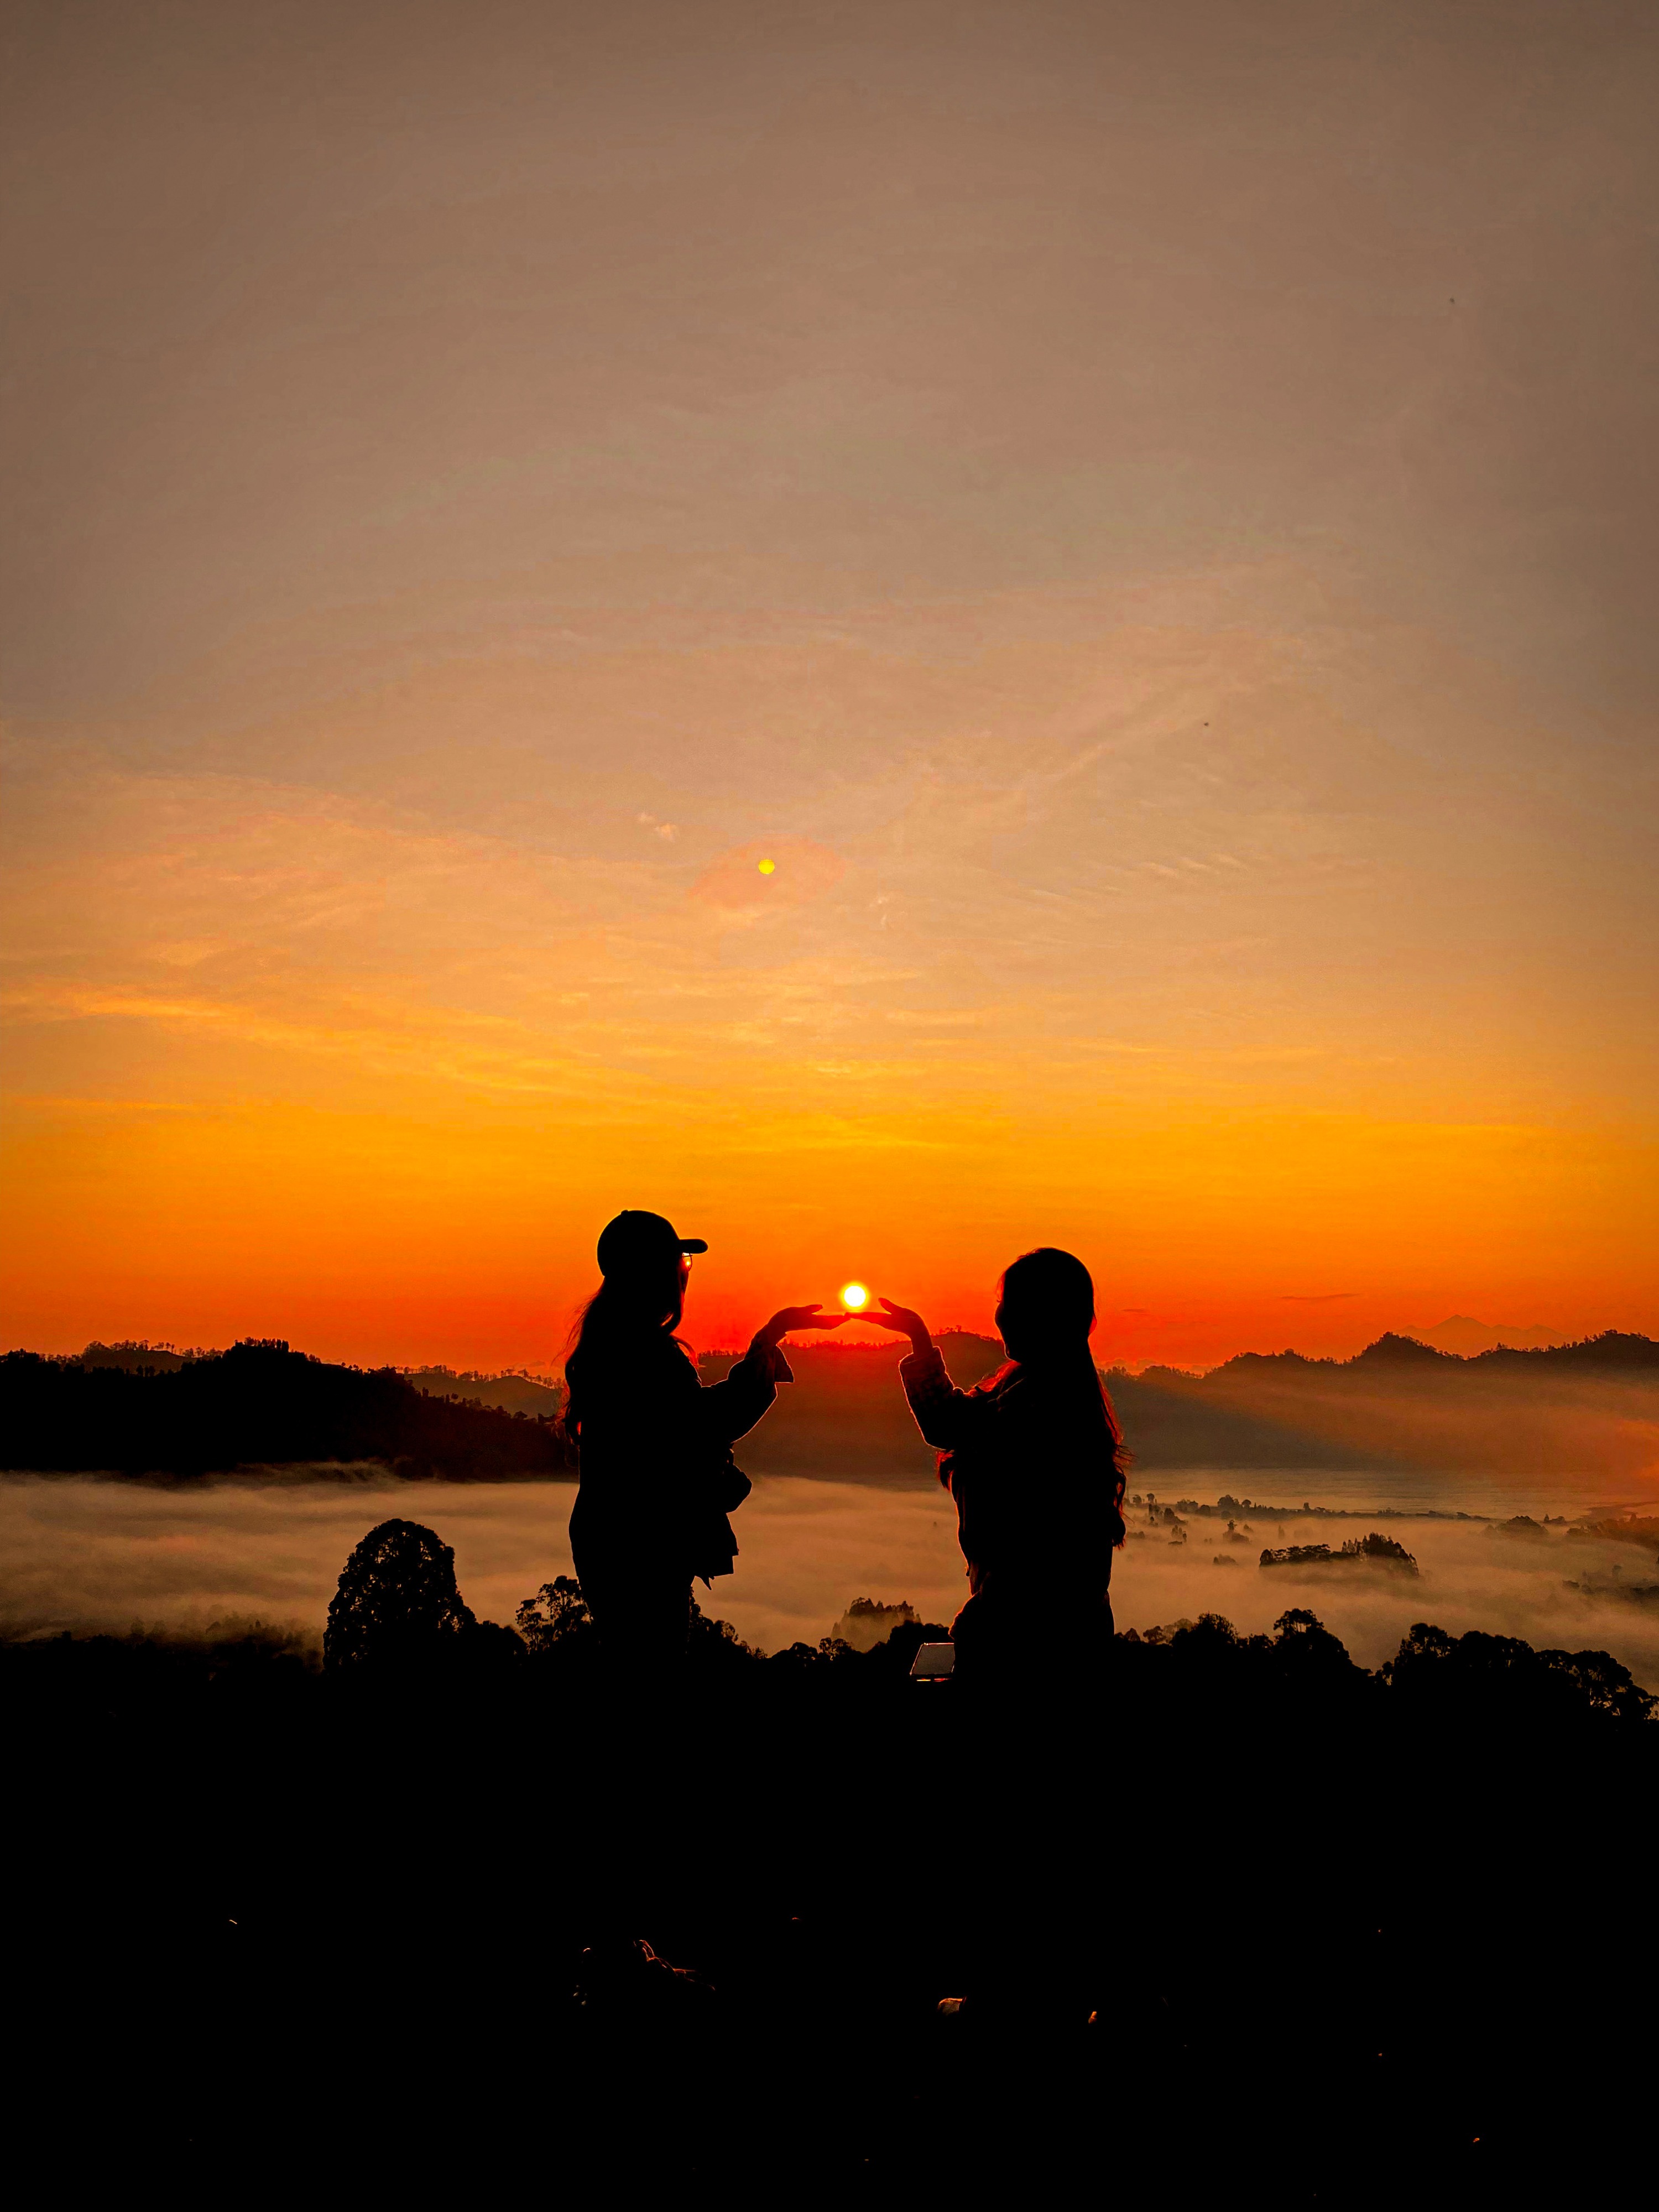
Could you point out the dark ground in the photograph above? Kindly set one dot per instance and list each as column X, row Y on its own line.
column 1346, row 1941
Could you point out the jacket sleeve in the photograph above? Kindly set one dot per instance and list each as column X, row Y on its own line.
column 946, row 1415
column 729, row 1409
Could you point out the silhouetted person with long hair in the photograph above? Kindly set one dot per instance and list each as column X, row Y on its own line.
column 654, row 1445
column 1033, row 1460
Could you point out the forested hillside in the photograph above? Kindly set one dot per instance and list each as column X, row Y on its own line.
column 259, row 1404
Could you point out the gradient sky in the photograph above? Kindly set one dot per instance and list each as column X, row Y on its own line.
column 1145, row 513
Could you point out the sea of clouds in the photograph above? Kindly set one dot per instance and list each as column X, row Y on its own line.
column 79, row 1551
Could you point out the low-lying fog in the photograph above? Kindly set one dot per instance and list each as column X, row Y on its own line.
column 79, row 1551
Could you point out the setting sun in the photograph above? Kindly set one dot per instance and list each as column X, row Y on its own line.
column 855, row 1296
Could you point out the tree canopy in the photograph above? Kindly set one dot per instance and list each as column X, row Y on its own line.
column 397, row 1599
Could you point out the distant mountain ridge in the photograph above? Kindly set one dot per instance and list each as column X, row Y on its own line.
column 1589, row 1410
column 258, row 1405
column 510, row 1393
column 1463, row 1332
column 513, row 1390
column 1612, row 1351
column 1591, row 1407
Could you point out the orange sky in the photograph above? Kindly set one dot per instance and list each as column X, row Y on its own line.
column 1146, row 522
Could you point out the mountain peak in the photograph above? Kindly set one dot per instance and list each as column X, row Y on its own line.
column 1393, row 1350
column 1463, row 1334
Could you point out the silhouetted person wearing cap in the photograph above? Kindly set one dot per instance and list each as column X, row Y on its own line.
column 1033, row 1460
column 654, row 1445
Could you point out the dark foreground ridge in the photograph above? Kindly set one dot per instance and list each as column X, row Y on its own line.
column 1240, row 1923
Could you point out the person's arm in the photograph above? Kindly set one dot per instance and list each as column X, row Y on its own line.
column 730, row 1409
column 944, row 1414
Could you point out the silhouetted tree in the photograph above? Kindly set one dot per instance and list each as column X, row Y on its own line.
column 1299, row 1621
column 1487, row 1679
column 715, row 1644
column 866, row 1623
column 555, row 1618
column 396, row 1601
column 1306, row 1650
column 1211, row 1634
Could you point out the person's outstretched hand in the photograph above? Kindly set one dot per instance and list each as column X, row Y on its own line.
column 793, row 1317
column 906, row 1323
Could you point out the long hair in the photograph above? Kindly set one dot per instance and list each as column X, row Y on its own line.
column 632, row 1305
column 1046, row 1299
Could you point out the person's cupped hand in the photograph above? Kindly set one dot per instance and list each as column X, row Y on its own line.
column 903, row 1321
column 788, row 1318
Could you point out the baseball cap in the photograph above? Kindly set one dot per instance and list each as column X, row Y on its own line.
column 638, row 1236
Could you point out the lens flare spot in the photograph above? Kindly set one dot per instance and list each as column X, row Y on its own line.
column 766, row 867
column 855, row 1296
